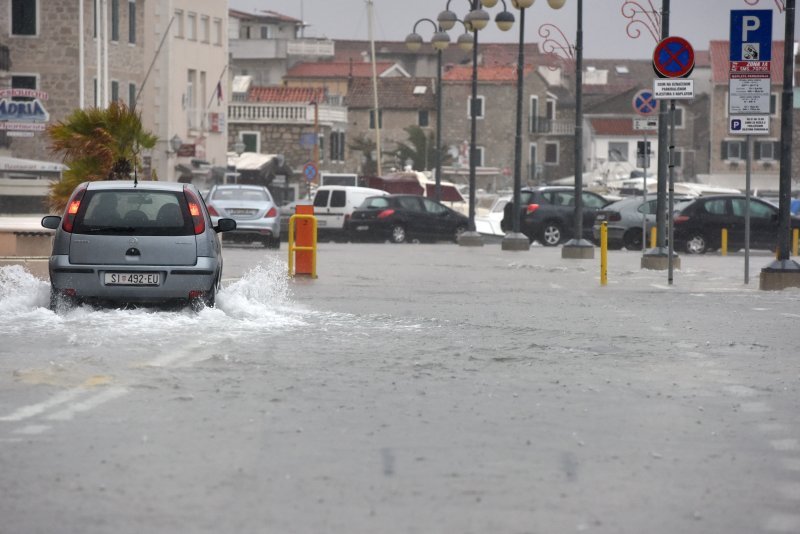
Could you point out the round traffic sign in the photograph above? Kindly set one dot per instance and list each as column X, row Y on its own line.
column 673, row 58
column 644, row 103
column 310, row 171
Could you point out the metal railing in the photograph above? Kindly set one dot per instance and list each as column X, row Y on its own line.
column 552, row 126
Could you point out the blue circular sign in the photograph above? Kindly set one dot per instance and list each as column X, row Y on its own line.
column 310, row 171
column 644, row 103
column 673, row 58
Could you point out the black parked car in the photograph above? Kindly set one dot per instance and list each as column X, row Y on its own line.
column 548, row 213
column 402, row 218
column 699, row 223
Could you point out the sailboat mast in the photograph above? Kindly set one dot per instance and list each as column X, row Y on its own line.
column 376, row 111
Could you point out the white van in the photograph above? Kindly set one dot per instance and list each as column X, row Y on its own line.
column 333, row 205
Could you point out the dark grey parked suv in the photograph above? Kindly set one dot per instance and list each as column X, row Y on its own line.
column 547, row 214
column 124, row 243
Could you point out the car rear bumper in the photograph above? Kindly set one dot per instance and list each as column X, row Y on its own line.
column 176, row 281
column 264, row 227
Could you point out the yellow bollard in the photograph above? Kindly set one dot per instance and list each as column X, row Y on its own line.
column 795, row 236
column 653, row 237
column 724, row 246
column 604, row 253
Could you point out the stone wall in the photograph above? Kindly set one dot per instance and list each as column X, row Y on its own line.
column 53, row 56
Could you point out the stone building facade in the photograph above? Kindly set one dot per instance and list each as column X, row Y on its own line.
column 403, row 102
column 44, row 41
column 547, row 131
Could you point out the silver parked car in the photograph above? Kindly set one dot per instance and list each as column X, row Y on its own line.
column 123, row 242
column 625, row 219
column 257, row 217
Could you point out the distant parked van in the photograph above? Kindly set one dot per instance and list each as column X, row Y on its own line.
column 333, row 205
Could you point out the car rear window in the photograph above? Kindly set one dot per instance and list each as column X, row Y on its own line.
column 250, row 195
column 375, row 203
column 133, row 212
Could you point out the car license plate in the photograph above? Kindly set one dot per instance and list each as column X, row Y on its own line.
column 362, row 228
column 132, row 279
column 321, row 222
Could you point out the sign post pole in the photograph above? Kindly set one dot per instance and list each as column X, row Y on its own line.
column 645, row 104
column 748, row 169
column 646, row 160
column 671, row 192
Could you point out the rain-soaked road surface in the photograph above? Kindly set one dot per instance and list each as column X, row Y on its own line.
column 409, row 389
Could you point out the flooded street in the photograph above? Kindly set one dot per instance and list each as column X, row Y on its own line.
column 414, row 388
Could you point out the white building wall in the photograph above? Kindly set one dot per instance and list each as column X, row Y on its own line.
column 180, row 92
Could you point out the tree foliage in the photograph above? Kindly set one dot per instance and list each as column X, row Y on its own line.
column 366, row 146
column 421, row 150
column 97, row 144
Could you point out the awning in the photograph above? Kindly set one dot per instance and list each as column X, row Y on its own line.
column 250, row 161
column 29, row 165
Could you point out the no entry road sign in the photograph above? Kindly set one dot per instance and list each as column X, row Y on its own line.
column 673, row 58
column 644, row 103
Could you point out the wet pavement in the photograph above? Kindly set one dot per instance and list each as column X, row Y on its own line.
column 410, row 388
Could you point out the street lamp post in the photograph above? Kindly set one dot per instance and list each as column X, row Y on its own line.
column 476, row 20
column 515, row 240
column 440, row 42
column 577, row 247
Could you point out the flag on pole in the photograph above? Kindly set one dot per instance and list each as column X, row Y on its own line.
column 219, row 92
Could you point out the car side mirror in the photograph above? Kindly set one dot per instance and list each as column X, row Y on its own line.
column 51, row 221
column 225, row 225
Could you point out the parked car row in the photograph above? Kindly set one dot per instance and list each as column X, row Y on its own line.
column 698, row 222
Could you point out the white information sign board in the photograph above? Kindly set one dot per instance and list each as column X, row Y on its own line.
column 749, row 96
column 645, row 124
column 749, row 124
column 673, row 89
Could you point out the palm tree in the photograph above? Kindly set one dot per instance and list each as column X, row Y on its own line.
column 97, row 144
column 366, row 146
column 421, row 150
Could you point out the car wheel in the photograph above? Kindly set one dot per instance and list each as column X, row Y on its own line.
column 696, row 244
column 207, row 300
column 273, row 243
column 632, row 239
column 59, row 302
column 552, row 234
column 460, row 229
column 398, row 234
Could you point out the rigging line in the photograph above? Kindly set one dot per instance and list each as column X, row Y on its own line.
column 152, row 63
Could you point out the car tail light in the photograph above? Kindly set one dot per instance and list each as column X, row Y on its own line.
column 73, row 206
column 385, row 213
column 614, row 217
column 195, row 294
column 679, row 219
column 212, row 211
column 531, row 208
column 272, row 212
column 195, row 211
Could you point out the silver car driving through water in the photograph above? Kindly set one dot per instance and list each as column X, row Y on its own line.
column 123, row 242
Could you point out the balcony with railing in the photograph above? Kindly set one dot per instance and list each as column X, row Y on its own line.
column 264, row 113
column 553, row 126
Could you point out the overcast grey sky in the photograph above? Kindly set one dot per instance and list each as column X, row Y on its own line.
column 604, row 26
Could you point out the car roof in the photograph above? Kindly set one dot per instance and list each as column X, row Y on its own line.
column 134, row 186
column 239, row 186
